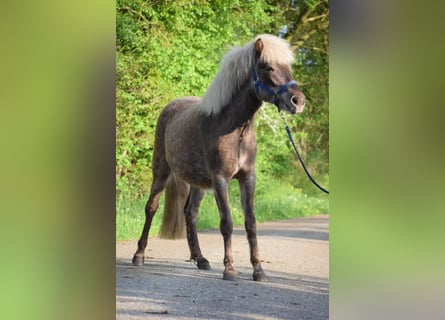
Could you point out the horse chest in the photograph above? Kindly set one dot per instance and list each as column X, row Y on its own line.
column 233, row 154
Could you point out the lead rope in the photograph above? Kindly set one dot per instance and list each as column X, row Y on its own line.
column 299, row 157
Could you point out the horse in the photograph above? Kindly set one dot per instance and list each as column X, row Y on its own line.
column 203, row 144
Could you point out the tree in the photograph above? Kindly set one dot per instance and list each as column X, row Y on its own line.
column 168, row 49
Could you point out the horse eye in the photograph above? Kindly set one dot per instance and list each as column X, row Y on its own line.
column 266, row 67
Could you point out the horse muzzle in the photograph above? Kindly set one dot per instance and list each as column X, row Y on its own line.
column 293, row 104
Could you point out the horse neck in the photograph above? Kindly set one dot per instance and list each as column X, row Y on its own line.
column 242, row 108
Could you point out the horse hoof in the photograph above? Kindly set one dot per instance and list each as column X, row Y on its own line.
column 259, row 276
column 204, row 264
column 138, row 260
column 230, row 275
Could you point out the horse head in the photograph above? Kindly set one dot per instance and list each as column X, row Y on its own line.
column 273, row 79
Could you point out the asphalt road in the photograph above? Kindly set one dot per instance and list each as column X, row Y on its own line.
column 295, row 256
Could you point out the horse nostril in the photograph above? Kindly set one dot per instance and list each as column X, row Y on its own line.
column 294, row 100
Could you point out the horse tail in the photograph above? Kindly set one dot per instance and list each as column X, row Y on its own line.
column 173, row 221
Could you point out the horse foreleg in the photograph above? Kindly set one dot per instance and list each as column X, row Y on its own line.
column 247, row 187
column 191, row 215
column 226, row 225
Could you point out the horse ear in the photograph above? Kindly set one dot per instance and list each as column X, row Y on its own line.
column 259, row 45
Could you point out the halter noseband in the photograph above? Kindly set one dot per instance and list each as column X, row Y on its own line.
column 275, row 94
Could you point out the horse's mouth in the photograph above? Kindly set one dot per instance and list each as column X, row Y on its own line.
column 288, row 109
column 299, row 109
column 292, row 109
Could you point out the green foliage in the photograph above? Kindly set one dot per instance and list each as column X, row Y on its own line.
column 167, row 49
column 273, row 201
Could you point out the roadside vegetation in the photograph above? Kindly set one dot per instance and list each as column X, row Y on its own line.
column 168, row 49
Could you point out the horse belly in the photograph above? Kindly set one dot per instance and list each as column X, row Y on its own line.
column 189, row 166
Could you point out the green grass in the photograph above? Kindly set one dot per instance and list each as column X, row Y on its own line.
column 273, row 201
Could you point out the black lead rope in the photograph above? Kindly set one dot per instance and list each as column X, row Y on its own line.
column 276, row 96
column 299, row 157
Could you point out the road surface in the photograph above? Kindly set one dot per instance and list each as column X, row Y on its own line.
column 295, row 256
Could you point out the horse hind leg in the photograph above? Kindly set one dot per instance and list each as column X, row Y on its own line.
column 151, row 207
column 161, row 173
column 191, row 211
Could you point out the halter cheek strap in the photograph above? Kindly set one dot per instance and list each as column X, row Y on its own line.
column 275, row 94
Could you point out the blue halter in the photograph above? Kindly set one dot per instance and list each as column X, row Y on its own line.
column 275, row 94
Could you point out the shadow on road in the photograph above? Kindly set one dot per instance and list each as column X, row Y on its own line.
column 310, row 228
column 178, row 290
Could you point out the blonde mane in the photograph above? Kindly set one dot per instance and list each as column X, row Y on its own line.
column 236, row 66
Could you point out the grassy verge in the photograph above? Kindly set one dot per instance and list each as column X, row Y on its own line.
column 273, row 201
